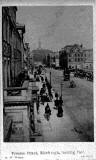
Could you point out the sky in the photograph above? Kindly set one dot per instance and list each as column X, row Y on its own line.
column 57, row 26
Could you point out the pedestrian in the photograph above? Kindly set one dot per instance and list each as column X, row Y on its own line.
column 47, row 109
column 42, row 79
column 35, row 74
column 37, row 104
column 56, row 95
column 46, row 80
column 60, row 110
column 56, row 103
column 42, row 91
column 60, row 101
column 50, row 94
column 44, row 86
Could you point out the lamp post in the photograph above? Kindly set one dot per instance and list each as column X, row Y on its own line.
column 61, row 88
column 50, row 77
column 61, row 85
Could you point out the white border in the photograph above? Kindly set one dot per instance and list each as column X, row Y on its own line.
column 87, row 147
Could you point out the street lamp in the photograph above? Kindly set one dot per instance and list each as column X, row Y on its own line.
column 50, row 77
column 61, row 88
column 61, row 85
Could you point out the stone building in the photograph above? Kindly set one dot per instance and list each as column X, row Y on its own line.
column 87, row 53
column 63, row 58
column 56, row 59
column 18, row 109
column 77, row 55
column 88, row 63
column 27, row 56
column 12, row 46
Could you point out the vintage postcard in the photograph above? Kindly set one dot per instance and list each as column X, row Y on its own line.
column 47, row 84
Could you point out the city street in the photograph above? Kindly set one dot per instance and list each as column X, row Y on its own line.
column 77, row 102
column 77, row 121
column 56, row 129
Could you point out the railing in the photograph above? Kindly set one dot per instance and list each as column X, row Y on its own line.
column 10, row 93
column 14, row 89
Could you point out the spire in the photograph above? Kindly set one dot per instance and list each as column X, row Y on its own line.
column 39, row 44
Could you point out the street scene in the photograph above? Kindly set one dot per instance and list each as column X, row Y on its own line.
column 48, row 77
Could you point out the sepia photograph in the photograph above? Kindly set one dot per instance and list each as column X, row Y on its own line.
column 48, row 76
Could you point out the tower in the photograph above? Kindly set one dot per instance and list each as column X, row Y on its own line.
column 39, row 44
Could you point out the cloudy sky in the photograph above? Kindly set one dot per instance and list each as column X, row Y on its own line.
column 57, row 26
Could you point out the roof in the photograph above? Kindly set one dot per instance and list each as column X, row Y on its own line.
column 72, row 48
column 91, row 49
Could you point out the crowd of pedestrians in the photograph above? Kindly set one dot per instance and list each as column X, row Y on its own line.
column 46, row 95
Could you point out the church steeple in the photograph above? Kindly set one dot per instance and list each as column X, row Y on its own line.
column 39, row 44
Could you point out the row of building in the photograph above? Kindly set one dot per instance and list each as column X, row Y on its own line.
column 13, row 46
column 18, row 104
column 74, row 56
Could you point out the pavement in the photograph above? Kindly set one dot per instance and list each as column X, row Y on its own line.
column 57, row 129
column 78, row 102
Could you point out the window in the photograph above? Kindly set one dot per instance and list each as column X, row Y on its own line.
column 69, row 55
column 81, row 59
column 78, row 55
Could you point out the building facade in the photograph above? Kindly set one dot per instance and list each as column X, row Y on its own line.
column 12, row 46
column 88, row 63
column 63, row 59
column 27, row 56
column 18, row 107
column 77, row 56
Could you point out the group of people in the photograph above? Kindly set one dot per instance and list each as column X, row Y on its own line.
column 47, row 96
